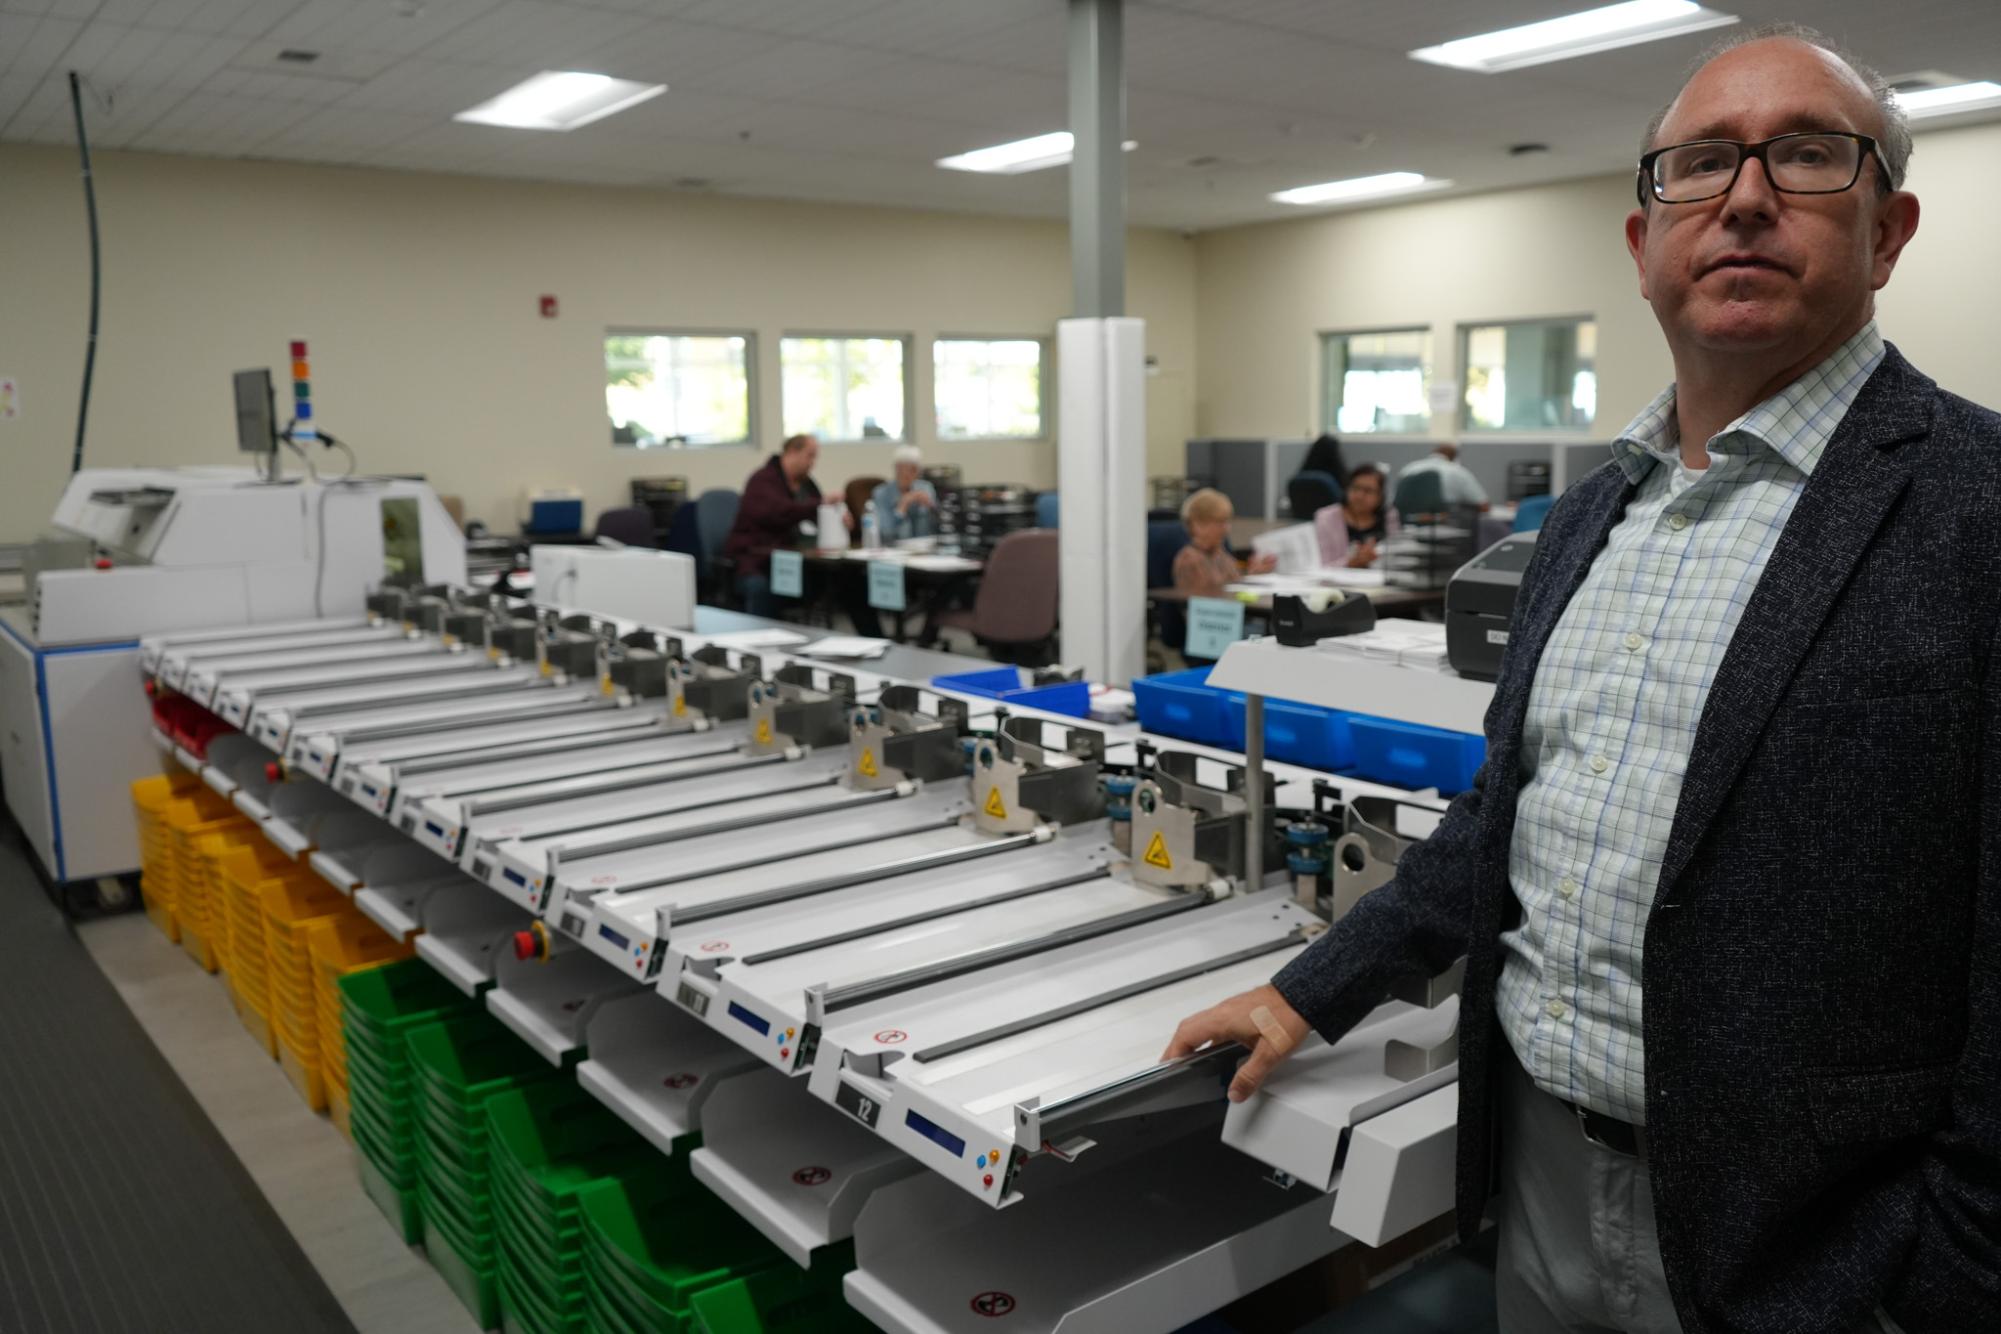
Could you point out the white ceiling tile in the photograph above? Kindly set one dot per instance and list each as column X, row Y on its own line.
column 852, row 99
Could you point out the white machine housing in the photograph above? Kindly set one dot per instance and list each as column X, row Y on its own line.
column 180, row 548
column 193, row 547
column 655, row 588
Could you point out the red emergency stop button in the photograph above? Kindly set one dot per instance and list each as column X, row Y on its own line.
column 525, row 945
column 102, row 562
column 274, row 771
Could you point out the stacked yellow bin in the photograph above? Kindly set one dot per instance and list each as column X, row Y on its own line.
column 293, row 908
column 151, row 798
column 343, row 945
column 247, row 876
column 265, row 861
column 198, row 913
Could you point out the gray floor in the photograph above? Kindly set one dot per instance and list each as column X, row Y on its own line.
column 120, row 1206
column 293, row 1163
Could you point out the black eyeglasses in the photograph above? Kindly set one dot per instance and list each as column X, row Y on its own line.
column 1821, row 162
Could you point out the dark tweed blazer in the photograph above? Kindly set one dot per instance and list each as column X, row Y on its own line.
column 1823, row 961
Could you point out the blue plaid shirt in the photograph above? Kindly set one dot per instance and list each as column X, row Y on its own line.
column 1612, row 718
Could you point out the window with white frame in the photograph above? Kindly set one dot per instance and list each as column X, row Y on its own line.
column 1533, row 375
column 988, row 388
column 673, row 390
column 844, row 387
column 1376, row 382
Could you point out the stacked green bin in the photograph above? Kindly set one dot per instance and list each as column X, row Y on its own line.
column 548, row 1143
column 458, row 1066
column 660, row 1261
column 379, row 1008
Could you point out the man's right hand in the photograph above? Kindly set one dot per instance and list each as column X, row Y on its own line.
column 1233, row 1021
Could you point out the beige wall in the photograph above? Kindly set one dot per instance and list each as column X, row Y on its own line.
column 1265, row 292
column 418, row 295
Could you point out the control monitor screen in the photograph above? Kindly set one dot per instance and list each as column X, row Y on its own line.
column 256, row 413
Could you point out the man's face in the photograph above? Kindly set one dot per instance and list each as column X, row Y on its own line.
column 906, row 476
column 1756, row 270
column 801, row 460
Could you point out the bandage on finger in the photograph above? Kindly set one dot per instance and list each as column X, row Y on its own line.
column 1273, row 1031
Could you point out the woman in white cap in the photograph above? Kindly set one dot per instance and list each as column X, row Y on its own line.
column 907, row 506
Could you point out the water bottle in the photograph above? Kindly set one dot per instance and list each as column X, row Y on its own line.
column 871, row 528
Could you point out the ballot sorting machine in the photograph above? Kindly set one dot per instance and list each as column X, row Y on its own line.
column 906, row 961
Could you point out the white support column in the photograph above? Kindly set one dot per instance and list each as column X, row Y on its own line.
column 1101, row 472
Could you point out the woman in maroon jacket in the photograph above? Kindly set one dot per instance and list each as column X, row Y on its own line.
column 779, row 497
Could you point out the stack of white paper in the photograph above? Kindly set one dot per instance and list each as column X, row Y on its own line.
column 1407, row 643
column 845, row 646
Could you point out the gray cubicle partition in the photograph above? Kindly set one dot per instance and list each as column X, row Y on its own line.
column 1253, row 473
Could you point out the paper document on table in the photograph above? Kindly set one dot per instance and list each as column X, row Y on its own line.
column 845, row 646
column 1407, row 643
column 1341, row 577
column 1296, row 548
column 745, row 639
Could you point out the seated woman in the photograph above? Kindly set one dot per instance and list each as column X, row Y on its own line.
column 1351, row 533
column 1205, row 565
column 906, row 506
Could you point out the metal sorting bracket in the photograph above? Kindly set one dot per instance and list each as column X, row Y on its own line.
column 566, row 644
column 1186, row 832
column 510, row 631
column 908, row 733
column 1365, row 856
column 1021, row 780
column 799, row 706
column 717, row 684
column 1408, row 1062
column 645, row 664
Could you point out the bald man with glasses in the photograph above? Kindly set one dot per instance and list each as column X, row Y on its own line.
column 1729, row 887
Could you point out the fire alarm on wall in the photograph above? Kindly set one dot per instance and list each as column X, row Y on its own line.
column 548, row 307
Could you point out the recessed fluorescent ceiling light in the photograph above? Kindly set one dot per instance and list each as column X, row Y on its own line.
column 1922, row 102
column 561, row 100
column 1359, row 187
column 1044, row 150
column 1574, row 35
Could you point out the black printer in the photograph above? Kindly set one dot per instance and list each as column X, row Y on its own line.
column 1479, row 604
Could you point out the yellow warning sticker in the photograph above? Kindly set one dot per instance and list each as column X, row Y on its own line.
column 995, row 806
column 764, row 731
column 866, row 765
column 1156, row 853
column 606, row 685
column 494, row 654
column 680, row 706
column 547, row 670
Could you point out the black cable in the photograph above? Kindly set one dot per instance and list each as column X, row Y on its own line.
column 96, row 273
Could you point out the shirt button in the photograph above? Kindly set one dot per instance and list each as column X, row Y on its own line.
column 1599, row 764
column 1677, row 521
column 1634, row 642
column 1555, row 1009
column 1568, row 888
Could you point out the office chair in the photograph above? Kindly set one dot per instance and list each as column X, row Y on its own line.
column 1418, row 494
column 1015, row 610
column 1164, row 540
column 1311, row 491
column 685, row 536
column 857, row 493
column 715, row 515
column 1530, row 513
column 630, row 526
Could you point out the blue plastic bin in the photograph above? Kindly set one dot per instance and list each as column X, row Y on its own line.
column 1306, row 734
column 1411, row 755
column 1183, row 704
column 1006, row 684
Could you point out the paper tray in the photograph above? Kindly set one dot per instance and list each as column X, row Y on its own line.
column 656, row 1066
column 797, row 1170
